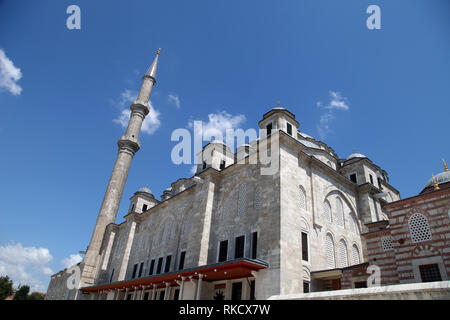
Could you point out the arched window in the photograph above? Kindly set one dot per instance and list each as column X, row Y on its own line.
column 327, row 211
column 355, row 255
column 343, row 262
column 257, row 199
column 329, row 247
column 242, row 200
column 419, row 228
column 302, row 198
column 339, row 212
column 353, row 223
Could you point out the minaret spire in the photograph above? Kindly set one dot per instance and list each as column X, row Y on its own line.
column 445, row 165
column 128, row 145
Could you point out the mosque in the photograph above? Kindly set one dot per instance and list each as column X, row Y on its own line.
column 231, row 233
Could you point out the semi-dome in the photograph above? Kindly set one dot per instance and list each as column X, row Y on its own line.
column 441, row 178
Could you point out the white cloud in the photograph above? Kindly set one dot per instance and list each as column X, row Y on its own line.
column 337, row 102
column 218, row 123
column 174, row 99
column 25, row 265
column 9, row 75
column 151, row 122
column 72, row 260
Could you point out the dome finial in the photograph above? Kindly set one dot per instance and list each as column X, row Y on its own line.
column 445, row 165
column 435, row 184
column 158, row 52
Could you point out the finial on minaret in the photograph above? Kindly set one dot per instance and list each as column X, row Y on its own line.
column 445, row 165
column 435, row 184
column 152, row 70
column 148, row 81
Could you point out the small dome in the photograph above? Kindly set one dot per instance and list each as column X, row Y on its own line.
column 145, row 190
column 356, row 155
column 441, row 178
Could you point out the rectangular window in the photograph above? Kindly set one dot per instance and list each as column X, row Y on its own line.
column 306, row 287
column 252, row 290
column 222, row 164
column 254, row 244
column 159, row 267
column 289, row 129
column 112, row 275
column 141, row 268
column 162, row 294
column 236, row 291
column 239, row 244
column 305, row 247
column 181, row 264
column 223, row 250
column 371, row 178
column 353, row 177
column 176, row 294
column 430, row 273
column 134, row 271
column 360, row 284
column 269, row 129
column 144, row 208
column 146, row 296
column 152, row 267
column 167, row 266
column 379, row 184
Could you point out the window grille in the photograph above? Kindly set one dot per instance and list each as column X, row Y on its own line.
column 329, row 245
column 343, row 254
column 355, row 255
column 340, row 212
column 257, row 200
column 419, row 228
column 302, row 198
column 386, row 244
column 327, row 211
column 242, row 204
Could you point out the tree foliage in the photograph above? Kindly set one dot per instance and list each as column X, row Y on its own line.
column 22, row 293
column 6, row 287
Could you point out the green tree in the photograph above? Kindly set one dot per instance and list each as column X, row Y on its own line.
column 22, row 293
column 36, row 296
column 6, row 287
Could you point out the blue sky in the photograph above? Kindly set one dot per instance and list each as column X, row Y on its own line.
column 232, row 60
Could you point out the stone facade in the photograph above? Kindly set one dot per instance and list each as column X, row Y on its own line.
column 306, row 217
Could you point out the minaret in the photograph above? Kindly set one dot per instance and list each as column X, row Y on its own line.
column 128, row 146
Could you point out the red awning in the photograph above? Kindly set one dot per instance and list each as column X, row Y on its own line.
column 228, row 270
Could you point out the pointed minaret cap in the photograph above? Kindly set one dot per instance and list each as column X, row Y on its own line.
column 151, row 73
column 445, row 165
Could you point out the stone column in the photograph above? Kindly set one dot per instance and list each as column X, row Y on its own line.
column 199, row 287
column 166, row 294
column 126, row 294
column 143, row 292
column 182, row 288
column 154, row 292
